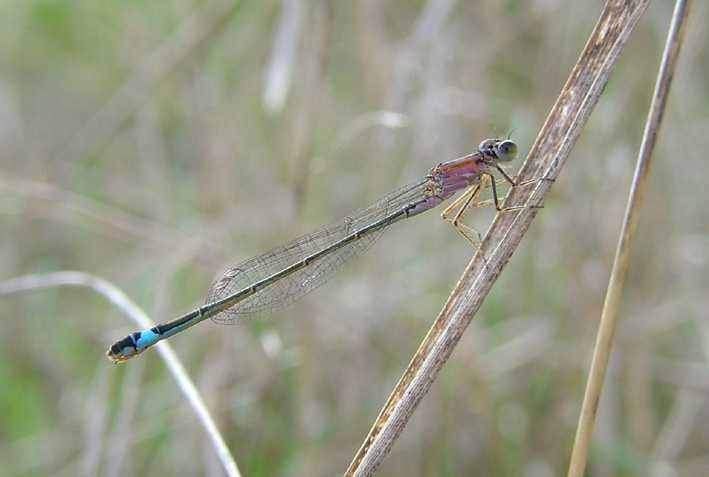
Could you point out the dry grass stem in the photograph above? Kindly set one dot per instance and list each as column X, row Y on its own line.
column 549, row 153
column 604, row 340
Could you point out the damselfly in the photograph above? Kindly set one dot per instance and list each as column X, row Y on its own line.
column 277, row 278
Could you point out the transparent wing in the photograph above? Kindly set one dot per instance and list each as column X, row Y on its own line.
column 289, row 288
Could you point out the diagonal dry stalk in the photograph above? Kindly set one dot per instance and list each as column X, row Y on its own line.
column 604, row 340
column 549, row 153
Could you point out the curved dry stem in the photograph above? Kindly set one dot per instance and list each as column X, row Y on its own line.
column 125, row 304
column 549, row 153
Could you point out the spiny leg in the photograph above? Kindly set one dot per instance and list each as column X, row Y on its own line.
column 462, row 203
column 497, row 200
column 515, row 207
column 470, row 198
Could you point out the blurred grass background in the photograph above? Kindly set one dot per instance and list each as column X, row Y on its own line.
column 156, row 144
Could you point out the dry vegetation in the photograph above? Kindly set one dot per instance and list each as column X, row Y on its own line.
column 137, row 147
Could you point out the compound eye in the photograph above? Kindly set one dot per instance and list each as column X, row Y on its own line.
column 507, row 151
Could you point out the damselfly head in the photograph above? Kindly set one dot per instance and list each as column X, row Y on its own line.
column 505, row 150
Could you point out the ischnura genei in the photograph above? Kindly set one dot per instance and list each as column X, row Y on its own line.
column 277, row 278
